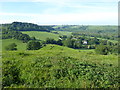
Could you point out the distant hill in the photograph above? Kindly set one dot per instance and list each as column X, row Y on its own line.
column 14, row 29
column 101, row 31
column 20, row 26
column 95, row 28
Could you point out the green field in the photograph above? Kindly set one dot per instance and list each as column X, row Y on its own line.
column 56, row 66
column 20, row 44
column 44, row 35
column 41, row 35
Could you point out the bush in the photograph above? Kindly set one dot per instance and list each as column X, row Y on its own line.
column 102, row 49
column 11, row 46
column 50, row 41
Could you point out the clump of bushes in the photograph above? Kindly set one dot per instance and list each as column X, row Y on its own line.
column 11, row 46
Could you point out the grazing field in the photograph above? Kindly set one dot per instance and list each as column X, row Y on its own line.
column 56, row 66
column 41, row 35
column 20, row 44
column 44, row 35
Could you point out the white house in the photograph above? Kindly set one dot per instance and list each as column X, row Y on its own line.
column 85, row 42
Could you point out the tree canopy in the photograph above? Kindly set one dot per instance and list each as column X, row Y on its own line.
column 33, row 45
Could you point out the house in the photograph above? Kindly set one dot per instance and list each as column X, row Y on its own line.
column 85, row 42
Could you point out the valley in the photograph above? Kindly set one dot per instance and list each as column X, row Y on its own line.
column 67, row 56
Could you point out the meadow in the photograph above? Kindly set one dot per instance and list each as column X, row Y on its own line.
column 20, row 45
column 43, row 35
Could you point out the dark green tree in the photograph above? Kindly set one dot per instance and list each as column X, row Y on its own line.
column 59, row 42
column 102, row 49
column 50, row 41
column 33, row 45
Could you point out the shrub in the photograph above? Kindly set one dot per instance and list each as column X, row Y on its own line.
column 33, row 45
column 102, row 49
column 11, row 46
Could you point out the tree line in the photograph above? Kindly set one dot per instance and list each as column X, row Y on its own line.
column 8, row 33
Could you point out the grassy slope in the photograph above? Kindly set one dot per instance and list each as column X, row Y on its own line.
column 41, row 35
column 85, row 55
column 44, row 35
column 90, row 27
column 81, row 55
column 20, row 44
column 40, row 66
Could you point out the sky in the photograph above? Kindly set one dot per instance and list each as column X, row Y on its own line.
column 60, row 12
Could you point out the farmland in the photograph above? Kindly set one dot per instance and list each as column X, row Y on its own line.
column 44, row 35
column 41, row 35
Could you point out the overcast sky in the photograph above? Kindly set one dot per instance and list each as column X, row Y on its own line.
column 59, row 12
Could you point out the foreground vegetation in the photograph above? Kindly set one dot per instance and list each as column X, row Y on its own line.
column 56, row 66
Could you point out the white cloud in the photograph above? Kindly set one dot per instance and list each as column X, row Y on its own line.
column 85, row 18
column 101, row 15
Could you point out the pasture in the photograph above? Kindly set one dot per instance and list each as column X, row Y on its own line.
column 41, row 35
column 44, row 35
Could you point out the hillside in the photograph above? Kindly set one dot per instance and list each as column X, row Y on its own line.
column 20, row 45
column 20, row 26
column 44, row 35
column 56, row 66
column 106, row 31
column 95, row 28
column 41, row 35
